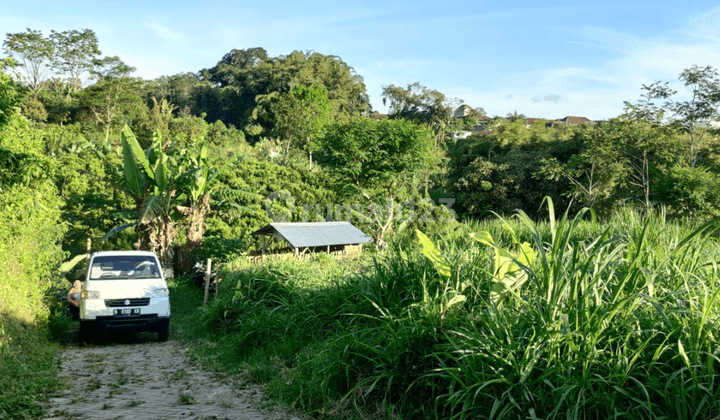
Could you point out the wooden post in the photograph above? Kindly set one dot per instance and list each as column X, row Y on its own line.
column 88, row 245
column 208, row 270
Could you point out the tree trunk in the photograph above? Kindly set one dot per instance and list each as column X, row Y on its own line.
column 196, row 231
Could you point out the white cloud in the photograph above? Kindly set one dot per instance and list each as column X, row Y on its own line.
column 163, row 32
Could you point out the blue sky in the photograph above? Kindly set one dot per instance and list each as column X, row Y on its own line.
column 547, row 60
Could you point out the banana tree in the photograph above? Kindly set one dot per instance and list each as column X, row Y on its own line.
column 159, row 216
column 199, row 184
column 153, row 179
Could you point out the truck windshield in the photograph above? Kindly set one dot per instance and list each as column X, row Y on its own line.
column 124, row 267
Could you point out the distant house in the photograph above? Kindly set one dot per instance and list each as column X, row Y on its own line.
column 574, row 121
column 483, row 125
column 314, row 237
column 481, row 128
column 463, row 111
column 378, row 116
column 461, row 134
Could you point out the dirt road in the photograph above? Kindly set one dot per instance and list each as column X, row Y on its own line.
column 140, row 378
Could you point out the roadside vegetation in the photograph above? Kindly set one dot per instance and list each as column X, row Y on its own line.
column 501, row 319
column 29, row 253
column 453, row 312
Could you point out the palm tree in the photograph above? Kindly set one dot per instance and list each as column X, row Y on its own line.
column 513, row 117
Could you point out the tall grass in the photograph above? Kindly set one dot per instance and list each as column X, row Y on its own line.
column 609, row 320
column 611, row 326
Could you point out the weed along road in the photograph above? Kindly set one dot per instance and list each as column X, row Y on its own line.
column 134, row 378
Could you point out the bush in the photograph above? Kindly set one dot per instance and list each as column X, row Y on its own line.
column 689, row 191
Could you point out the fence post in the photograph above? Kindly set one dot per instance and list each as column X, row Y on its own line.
column 208, row 270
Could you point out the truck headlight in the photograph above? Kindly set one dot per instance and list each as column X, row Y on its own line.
column 160, row 293
column 90, row 294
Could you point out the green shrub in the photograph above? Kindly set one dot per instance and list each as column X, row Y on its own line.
column 29, row 253
column 689, row 191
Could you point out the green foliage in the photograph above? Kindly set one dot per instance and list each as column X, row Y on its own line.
column 168, row 189
column 696, row 114
column 74, row 53
column 689, row 191
column 375, row 164
column 367, row 156
column 421, row 105
column 249, row 78
column 136, row 167
column 34, row 53
column 509, row 267
column 107, row 68
column 178, row 89
column 22, row 161
column 252, row 193
column 301, row 116
column 30, row 251
column 34, row 110
column 500, row 171
column 8, row 98
column 111, row 103
column 59, row 101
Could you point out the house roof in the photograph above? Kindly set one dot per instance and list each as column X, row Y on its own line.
column 463, row 111
column 569, row 120
column 302, row 235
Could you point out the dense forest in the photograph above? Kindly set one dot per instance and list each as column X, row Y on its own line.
column 189, row 165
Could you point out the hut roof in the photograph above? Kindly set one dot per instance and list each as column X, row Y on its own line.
column 302, row 235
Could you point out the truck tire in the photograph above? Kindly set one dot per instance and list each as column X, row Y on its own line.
column 87, row 332
column 163, row 333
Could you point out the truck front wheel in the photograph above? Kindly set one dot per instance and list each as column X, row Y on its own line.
column 163, row 333
column 87, row 332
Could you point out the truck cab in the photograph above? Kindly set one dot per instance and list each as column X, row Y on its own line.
column 124, row 290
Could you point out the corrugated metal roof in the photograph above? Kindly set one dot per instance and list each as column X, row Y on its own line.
column 301, row 235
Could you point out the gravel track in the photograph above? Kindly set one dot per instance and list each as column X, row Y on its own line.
column 138, row 378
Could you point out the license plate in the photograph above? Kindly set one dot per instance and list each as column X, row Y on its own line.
column 127, row 311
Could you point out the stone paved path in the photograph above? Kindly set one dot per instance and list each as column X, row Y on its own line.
column 150, row 380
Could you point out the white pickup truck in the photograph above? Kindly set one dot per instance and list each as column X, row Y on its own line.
column 124, row 290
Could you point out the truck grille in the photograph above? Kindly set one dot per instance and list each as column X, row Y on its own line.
column 121, row 303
